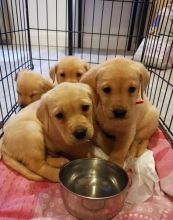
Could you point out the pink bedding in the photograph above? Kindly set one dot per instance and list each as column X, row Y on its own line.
column 24, row 199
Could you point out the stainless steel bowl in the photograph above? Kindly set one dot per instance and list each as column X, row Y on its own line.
column 93, row 188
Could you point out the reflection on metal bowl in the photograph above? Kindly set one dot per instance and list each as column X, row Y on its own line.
column 93, row 188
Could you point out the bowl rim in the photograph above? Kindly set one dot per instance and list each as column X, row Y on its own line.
column 88, row 197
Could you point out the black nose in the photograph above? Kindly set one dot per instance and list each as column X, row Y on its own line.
column 80, row 133
column 119, row 113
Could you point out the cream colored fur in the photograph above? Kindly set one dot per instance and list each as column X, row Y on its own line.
column 54, row 123
column 113, row 83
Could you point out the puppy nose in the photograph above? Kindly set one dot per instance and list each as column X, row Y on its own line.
column 119, row 113
column 80, row 133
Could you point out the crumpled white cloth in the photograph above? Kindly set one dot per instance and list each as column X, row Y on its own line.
column 144, row 177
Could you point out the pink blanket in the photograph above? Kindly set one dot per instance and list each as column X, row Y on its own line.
column 24, row 199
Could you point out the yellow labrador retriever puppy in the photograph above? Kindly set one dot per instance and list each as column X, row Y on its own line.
column 30, row 86
column 121, row 108
column 68, row 69
column 60, row 122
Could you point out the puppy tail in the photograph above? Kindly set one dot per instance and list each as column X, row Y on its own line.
column 20, row 168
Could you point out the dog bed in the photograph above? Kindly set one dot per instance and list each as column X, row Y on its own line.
column 24, row 199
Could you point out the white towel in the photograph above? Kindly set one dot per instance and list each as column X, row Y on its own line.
column 144, row 177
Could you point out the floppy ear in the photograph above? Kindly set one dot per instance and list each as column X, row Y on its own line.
column 88, row 89
column 144, row 77
column 46, row 85
column 42, row 112
column 53, row 71
column 90, row 78
column 86, row 66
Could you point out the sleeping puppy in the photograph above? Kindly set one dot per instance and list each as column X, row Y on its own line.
column 68, row 69
column 60, row 122
column 121, row 108
column 30, row 87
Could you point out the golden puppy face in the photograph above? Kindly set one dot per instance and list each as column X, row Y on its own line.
column 118, row 83
column 67, row 109
column 117, row 91
column 30, row 87
column 69, row 69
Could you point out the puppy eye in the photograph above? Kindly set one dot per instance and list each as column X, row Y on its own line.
column 85, row 108
column 60, row 116
column 79, row 74
column 107, row 90
column 132, row 89
column 62, row 75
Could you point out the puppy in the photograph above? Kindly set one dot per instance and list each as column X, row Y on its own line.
column 60, row 122
column 30, row 87
column 68, row 69
column 121, row 108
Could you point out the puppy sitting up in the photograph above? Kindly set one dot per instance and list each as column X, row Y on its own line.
column 122, row 109
column 61, row 122
column 68, row 69
column 30, row 87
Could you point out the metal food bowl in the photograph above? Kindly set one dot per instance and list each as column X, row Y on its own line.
column 93, row 188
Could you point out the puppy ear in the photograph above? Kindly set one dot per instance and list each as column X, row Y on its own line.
column 90, row 78
column 46, row 85
column 86, row 66
column 87, row 88
column 144, row 77
column 53, row 71
column 42, row 112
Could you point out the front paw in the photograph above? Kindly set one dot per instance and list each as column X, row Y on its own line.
column 57, row 162
column 138, row 147
column 98, row 152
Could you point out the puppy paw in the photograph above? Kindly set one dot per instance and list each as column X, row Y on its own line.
column 97, row 152
column 57, row 162
column 137, row 148
column 100, row 154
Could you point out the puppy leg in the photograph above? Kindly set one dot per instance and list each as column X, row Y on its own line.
column 143, row 134
column 26, row 145
column 138, row 148
column 121, row 148
column 19, row 167
column 42, row 168
column 36, row 160
column 143, row 146
column 56, row 161
column 101, row 140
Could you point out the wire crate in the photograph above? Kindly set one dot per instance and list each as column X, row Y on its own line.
column 35, row 34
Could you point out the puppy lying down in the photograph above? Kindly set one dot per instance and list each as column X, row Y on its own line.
column 68, row 69
column 30, row 87
column 60, row 122
column 122, row 110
